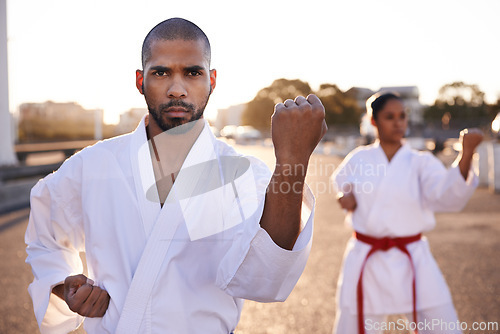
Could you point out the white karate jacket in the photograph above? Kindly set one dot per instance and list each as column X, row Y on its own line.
column 213, row 251
column 396, row 199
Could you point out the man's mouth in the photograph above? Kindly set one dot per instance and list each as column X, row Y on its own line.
column 176, row 112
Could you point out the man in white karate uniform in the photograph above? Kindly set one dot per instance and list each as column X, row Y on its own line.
column 176, row 226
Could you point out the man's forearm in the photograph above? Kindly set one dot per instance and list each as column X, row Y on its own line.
column 282, row 209
column 297, row 126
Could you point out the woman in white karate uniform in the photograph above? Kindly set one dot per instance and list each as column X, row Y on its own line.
column 390, row 193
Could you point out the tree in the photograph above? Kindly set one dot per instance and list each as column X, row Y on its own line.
column 258, row 112
column 459, row 103
column 340, row 108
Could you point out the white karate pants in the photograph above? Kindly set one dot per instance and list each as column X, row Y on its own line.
column 437, row 320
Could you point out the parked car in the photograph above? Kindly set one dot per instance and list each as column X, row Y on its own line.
column 229, row 131
column 240, row 133
column 247, row 132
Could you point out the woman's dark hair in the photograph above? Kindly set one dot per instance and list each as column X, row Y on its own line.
column 377, row 101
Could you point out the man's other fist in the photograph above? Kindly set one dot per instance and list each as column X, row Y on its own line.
column 84, row 298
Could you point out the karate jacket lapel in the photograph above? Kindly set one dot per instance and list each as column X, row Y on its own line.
column 208, row 188
column 160, row 224
column 197, row 186
column 199, row 171
column 144, row 178
column 196, row 171
column 148, row 269
column 383, row 195
column 192, row 194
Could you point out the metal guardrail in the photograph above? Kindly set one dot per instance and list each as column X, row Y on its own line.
column 17, row 181
column 19, row 172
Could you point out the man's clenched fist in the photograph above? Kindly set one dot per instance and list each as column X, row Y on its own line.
column 297, row 127
column 84, row 298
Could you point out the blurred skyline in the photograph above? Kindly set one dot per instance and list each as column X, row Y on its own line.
column 88, row 51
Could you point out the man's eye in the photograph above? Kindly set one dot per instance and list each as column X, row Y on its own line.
column 160, row 73
column 194, row 73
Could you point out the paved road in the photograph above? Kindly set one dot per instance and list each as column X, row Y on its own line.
column 466, row 246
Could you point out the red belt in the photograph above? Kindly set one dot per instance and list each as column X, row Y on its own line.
column 384, row 244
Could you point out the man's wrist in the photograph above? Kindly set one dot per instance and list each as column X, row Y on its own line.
column 58, row 290
column 288, row 178
column 289, row 167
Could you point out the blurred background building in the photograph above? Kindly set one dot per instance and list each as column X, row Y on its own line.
column 50, row 121
column 229, row 116
column 129, row 120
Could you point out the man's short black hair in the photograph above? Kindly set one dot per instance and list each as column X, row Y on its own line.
column 172, row 29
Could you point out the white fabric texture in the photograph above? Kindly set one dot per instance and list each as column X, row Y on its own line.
column 217, row 252
column 396, row 199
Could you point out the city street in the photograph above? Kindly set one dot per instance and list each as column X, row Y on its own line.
column 466, row 246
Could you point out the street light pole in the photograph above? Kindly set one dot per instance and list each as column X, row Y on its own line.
column 7, row 156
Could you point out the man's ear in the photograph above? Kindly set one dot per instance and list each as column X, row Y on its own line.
column 213, row 77
column 139, row 81
column 373, row 122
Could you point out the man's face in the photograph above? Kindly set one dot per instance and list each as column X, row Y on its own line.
column 176, row 82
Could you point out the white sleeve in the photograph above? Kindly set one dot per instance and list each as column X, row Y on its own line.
column 54, row 238
column 256, row 268
column 343, row 178
column 445, row 190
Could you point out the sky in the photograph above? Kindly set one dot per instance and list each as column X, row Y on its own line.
column 88, row 51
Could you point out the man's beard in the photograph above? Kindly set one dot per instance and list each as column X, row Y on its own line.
column 156, row 113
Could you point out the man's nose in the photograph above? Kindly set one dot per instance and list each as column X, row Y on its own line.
column 177, row 89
